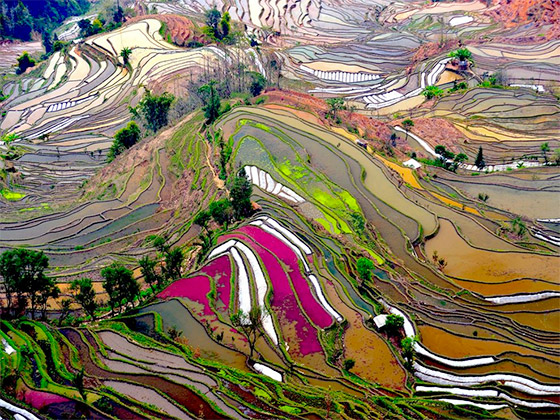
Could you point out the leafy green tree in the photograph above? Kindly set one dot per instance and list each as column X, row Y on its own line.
column 545, row 148
column 440, row 150
column 226, row 150
column 213, row 18
column 364, row 267
column 206, row 243
column 129, row 135
column 23, row 275
column 148, row 269
column 96, row 26
column 250, row 325
column 211, row 100
column 118, row 15
column 221, row 211
column 518, row 226
column 408, row 352
column 24, row 62
column 225, row 26
column 155, row 109
column 432, row 92
column 407, row 345
column 202, row 219
column 394, row 323
column 59, row 45
column 173, row 260
column 218, row 26
column 349, row 364
column 479, row 161
column 86, row 28
column 22, row 22
column 125, row 54
column 84, row 295
column 119, row 284
column 258, row 84
column 443, row 152
column 462, row 54
column 79, row 383
column 125, row 138
column 335, row 105
column 160, row 243
column 407, row 125
column 47, row 42
column 557, row 156
column 461, row 157
column 18, row 18
column 240, row 195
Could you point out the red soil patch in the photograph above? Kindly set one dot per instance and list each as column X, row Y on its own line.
column 515, row 12
column 436, row 131
column 179, row 28
column 372, row 128
column 431, row 49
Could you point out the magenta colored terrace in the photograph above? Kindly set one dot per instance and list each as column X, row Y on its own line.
column 194, row 288
column 40, row 399
column 219, row 270
column 310, row 305
column 284, row 303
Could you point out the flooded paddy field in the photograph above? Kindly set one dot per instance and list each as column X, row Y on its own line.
column 357, row 217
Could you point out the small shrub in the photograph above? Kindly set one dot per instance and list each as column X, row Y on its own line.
column 24, row 62
column 349, row 364
column 432, row 92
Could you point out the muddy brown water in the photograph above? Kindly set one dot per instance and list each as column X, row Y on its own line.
column 488, row 267
column 457, row 347
column 182, row 395
column 174, row 313
column 350, row 179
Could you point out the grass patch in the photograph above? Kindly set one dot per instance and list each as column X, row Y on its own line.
column 11, row 195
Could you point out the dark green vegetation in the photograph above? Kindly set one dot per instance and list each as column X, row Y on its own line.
column 25, row 62
column 84, row 295
column 154, row 110
column 211, row 101
column 125, row 138
column 218, row 26
column 24, row 282
column 432, row 92
column 463, row 54
column 365, row 266
column 479, row 161
column 120, row 285
column 18, row 18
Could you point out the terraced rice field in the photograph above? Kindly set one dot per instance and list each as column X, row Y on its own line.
column 467, row 258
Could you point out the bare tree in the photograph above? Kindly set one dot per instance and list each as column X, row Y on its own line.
column 250, row 325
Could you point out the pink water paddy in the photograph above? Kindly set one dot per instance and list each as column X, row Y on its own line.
column 284, row 302
column 318, row 315
column 193, row 288
column 220, row 270
column 40, row 399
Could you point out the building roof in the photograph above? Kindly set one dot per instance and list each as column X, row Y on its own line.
column 380, row 321
column 412, row 163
